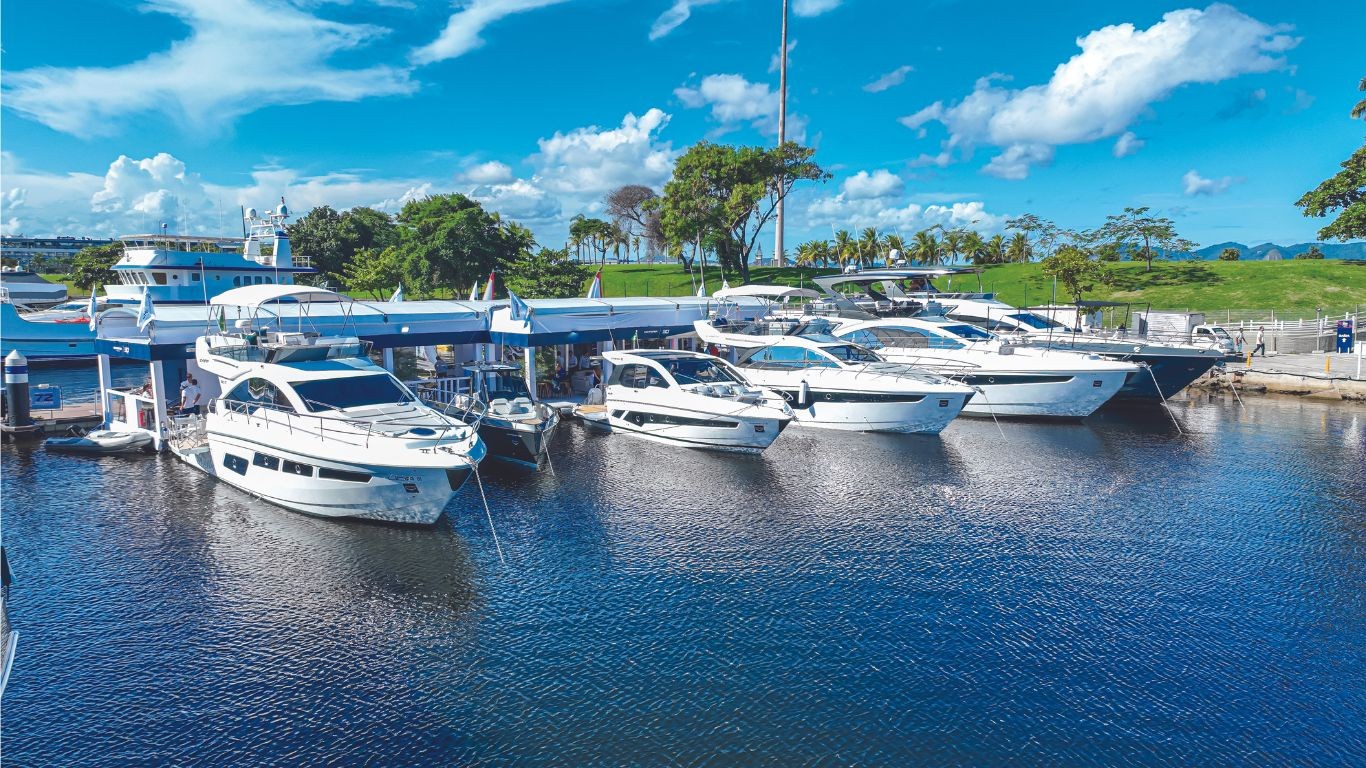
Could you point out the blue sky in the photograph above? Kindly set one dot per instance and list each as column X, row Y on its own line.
column 119, row 115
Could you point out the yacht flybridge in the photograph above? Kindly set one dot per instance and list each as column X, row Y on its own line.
column 687, row 399
column 833, row 384
column 1014, row 380
column 309, row 423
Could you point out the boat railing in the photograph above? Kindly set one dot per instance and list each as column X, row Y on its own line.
column 350, row 431
column 452, row 396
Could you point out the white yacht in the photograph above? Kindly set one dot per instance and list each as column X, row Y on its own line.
column 1014, row 380
column 311, row 424
column 833, row 384
column 687, row 399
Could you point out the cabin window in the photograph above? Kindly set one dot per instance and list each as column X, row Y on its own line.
column 296, row 468
column 351, row 392
column 237, row 282
column 337, row 474
column 903, row 338
column 160, row 277
column 638, row 376
column 235, row 463
column 850, row 353
column 194, row 276
column 269, row 462
column 256, row 391
column 779, row 357
column 969, row 332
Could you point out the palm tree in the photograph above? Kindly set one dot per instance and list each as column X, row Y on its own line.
column 1360, row 109
column 995, row 250
column 868, row 244
column 1019, row 249
column 845, row 247
column 806, row 253
column 973, row 246
column 953, row 244
column 894, row 243
column 926, row 248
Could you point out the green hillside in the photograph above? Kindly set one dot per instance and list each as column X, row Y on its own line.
column 1196, row 285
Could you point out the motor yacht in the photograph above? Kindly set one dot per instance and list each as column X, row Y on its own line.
column 1167, row 367
column 1014, row 380
column 687, row 399
column 512, row 424
column 309, row 423
column 833, row 384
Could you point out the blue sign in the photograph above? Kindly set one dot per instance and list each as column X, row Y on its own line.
column 1344, row 336
column 45, row 398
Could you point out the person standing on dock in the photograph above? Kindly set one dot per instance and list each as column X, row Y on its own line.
column 1241, row 341
column 189, row 397
column 1261, row 341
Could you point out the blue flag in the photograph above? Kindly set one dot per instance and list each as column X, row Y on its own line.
column 520, row 310
column 146, row 314
column 398, row 295
column 90, row 310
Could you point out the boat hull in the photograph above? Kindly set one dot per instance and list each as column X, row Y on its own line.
column 693, row 429
column 415, row 496
column 518, row 442
column 1044, row 395
column 44, row 340
column 858, row 412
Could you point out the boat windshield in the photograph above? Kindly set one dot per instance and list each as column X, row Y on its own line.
column 692, row 370
column 506, row 385
column 1034, row 321
column 851, row 353
column 970, row 332
column 351, row 392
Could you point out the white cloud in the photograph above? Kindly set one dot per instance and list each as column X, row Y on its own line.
column 1015, row 161
column 240, row 55
column 1194, row 184
column 491, row 172
column 1127, row 144
column 879, row 183
column 814, row 7
column 1303, row 100
column 463, row 29
column 523, row 200
column 842, row 211
column 590, row 161
column 890, row 80
column 1102, row 90
column 734, row 100
column 676, row 14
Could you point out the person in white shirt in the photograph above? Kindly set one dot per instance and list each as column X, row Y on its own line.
column 1261, row 341
column 190, row 397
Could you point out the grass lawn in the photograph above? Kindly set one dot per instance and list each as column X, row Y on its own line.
column 1201, row 286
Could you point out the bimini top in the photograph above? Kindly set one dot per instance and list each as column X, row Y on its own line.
column 253, row 296
column 767, row 291
column 869, row 276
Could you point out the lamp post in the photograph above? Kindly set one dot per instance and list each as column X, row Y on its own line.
column 1318, row 329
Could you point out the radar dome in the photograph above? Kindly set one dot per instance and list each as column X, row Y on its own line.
column 251, row 213
column 894, row 254
column 282, row 210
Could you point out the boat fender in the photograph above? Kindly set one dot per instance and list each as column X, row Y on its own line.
column 804, row 395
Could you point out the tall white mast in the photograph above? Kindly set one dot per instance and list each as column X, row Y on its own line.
column 778, row 251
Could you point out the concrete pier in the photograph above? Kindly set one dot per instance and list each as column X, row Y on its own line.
column 1327, row 375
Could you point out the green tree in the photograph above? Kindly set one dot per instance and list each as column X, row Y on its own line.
column 894, row 243
column 596, row 235
column 1019, row 250
column 926, row 248
column 846, row 248
column 547, row 274
column 450, row 240
column 1344, row 193
column 953, row 244
column 1076, row 271
column 1136, row 225
column 973, row 246
column 363, row 227
column 1044, row 233
column 994, row 251
column 869, row 243
column 93, row 266
column 374, row 272
column 1312, row 253
column 1359, row 111
column 1229, row 254
column 318, row 236
column 724, row 195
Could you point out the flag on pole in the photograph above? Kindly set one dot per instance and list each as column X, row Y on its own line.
column 146, row 314
column 702, row 290
column 90, row 310
column 474, row 291
column 725, row 285
column 488, row 289
column 520, row 310
column 398, row 295
column 595, row 289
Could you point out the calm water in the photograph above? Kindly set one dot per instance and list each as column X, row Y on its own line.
column 1106, row 593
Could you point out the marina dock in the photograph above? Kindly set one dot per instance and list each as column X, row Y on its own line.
column 1329, row 375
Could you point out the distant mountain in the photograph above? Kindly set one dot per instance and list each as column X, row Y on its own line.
column 1259, row 252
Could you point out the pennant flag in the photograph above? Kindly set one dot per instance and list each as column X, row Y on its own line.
column 702, row 290
column 146, row 314
column 725, row 285
column 398, row 295
column 520, row 310
column 595, row 289
column 474, row 291
column 488, row 289
column 90, row 310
